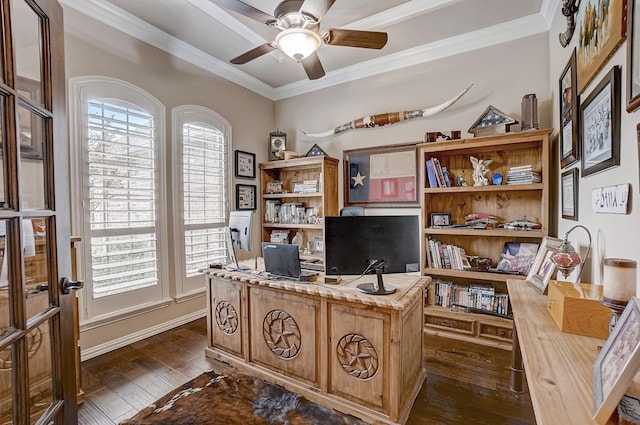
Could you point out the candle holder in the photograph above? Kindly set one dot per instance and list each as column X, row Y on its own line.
column 619, row 285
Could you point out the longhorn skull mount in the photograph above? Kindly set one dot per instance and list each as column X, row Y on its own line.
column 569, row 9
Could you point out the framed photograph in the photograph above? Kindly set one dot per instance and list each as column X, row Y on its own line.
column 569, row 188
column 29, row 123
column 277, row 144
column 569, row 113
column 245, row 163
column 318, row 245
column 633, row 55
column 617, row 363
column 517, row 257
column 542, row 267
column 597, row 44
column 600, row 125
column 245, row 197
column 440, row 219
column 384, row 176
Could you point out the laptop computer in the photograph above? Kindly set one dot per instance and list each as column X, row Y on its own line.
column 282, row 261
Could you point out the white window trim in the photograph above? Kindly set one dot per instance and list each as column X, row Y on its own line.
column 77, row 87
column 186, row 288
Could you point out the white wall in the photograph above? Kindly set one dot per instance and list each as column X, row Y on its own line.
column 613, row 235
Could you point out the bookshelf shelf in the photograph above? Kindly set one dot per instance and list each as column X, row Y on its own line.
column 503, row 233
column 322, row 170
column 528, row 151
column 480, row 189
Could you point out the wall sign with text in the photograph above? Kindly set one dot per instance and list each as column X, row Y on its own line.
column 611, row 199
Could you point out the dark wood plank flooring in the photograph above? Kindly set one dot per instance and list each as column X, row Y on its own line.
column 462, row 386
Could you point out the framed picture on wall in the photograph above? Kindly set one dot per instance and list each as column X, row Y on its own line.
column 600, row 125
column 597, row 44
column 383, row 176
column 569, row 188
column 569, row 113
column 633, row 55
column 245, row 164
column 245, row 197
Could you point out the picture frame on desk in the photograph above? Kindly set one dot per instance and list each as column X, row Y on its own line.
column 542, row 269
column 617, row 363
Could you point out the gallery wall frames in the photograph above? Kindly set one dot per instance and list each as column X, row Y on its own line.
column 569, row 118
column 600, row 125
column 245, row 164
column 245, row 197
column 600, row 25
column 569, row 188
column 633, row 55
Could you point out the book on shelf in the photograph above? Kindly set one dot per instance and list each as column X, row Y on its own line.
column 524, row 174
column 431, row 174
column 517, row 257
column 477, row 296
column 445, row 256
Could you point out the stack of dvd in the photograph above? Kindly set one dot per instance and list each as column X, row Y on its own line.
column 524, row 174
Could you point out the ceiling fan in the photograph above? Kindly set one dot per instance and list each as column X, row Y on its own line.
column 299, row 38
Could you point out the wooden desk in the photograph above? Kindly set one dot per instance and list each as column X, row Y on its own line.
column 558, row 365
column 356, row 353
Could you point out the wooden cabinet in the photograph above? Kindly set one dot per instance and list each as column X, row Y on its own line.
column 302, row 207
column 506, row 202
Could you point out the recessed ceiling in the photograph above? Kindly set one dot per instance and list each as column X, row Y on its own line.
column 418, row 31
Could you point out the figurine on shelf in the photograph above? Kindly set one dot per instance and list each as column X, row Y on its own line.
column 480, row 171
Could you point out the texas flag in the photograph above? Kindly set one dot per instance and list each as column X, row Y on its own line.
column 388, row 177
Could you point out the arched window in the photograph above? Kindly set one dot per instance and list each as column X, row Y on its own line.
column 202, row 141
column 118, row 195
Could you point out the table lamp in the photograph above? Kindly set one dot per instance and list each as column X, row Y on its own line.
column 566, row 258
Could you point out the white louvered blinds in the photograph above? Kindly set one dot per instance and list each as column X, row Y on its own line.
column 204, row 189
column 123, row 196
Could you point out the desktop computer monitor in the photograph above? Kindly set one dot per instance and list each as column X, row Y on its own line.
column 238, row 236
column 356, row 245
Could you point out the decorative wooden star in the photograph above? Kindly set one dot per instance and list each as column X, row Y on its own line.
column 358, row 180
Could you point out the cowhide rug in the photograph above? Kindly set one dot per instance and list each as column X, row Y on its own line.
column 236, row 398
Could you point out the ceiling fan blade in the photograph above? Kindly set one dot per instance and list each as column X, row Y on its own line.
column 353, row 38
column 313, row 67
column 317, row 8
column 253, row 53
column 245, row 9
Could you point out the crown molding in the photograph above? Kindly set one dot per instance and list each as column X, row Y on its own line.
column 123, row 21
column 486, row 37
column 480, row 39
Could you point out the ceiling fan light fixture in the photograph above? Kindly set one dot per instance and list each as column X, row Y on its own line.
column 298, row 43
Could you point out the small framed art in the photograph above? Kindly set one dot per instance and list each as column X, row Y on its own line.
column 245, row 164
column 542, row 267
column 600, row 125
column 569, row 187
column 440, row 219
column 318, row 245
column 245, row 197
column 617, row 363
column 569, row 113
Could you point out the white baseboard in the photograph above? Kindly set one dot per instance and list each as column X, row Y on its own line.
column 98, row 350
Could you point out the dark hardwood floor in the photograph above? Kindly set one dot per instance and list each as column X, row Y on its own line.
column 462, row 386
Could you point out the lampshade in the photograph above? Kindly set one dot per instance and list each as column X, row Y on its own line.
column 298, row 43
column 566, row 258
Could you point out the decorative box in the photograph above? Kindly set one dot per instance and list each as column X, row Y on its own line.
column 576, row 309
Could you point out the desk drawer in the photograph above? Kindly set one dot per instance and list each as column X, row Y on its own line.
column 452, row 324
column 495, row 331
